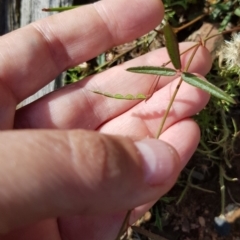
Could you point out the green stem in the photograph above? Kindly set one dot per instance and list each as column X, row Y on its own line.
column 124, row 225
column 234, row 127
column 182, row 194
column 176, row 30
column 191, row 58
column 201, row 189
column 197, row 44
column 226, row 131
column 228, row 178
column 168, row 109
column 220, row 33
column 222, row 188
column 175, row 93
column 188, row 185
column 227, row 162
column 207, row 150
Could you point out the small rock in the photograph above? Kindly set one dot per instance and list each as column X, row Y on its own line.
column 222, row 226
column 176, row 228
column 201, row 221
column 185, row 225
column 206, row 212
column 194, row 226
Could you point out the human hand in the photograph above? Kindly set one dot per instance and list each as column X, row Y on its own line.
column 61, row 183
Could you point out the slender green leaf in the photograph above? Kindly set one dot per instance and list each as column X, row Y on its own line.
column 58, row 9
column 172, row 46
column 139, row 96
column 161, row 71
column 206, row 86
column 177, row 3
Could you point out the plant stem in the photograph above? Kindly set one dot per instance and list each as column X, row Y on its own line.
column 220, row 33
column 222, row 188
column 175, row 93
column 124, row 225
column 197, row 44
column 176, row 30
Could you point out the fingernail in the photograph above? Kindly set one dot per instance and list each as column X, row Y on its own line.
column 160, row 160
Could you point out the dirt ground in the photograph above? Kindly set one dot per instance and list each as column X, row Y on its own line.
column 193, row 218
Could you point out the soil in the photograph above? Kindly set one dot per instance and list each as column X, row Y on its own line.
column 193, row 218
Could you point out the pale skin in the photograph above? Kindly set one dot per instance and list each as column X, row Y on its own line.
column 59, row 179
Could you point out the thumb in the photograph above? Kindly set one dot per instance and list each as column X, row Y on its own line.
column 56, row 173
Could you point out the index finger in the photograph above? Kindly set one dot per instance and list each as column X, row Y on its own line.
column 33, row 56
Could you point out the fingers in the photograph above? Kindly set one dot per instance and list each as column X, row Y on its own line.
column 185, row 137
column 47, row 229
column 62, row 173
column 76, row 107
column 51, row 45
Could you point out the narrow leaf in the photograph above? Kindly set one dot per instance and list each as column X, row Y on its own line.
column 139, row 96
column 161, row 71
column 172, row 46
column 206, row 86
column 58, row 9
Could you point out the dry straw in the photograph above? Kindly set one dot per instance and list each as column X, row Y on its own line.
column 230, row 51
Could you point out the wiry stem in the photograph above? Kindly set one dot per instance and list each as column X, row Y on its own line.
column 124, row 225
column 168, row 109
column 197, row 44
column 222, row 189
column 175, row 93
column 176, row 30
column 220, row 33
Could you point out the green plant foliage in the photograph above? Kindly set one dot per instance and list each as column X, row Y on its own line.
column 172, row 46
column 123, row 97
column 58, row 9
column 158, row 219
column 161, row 71
column 206, row 86
column 171, row 3
column 224, row 11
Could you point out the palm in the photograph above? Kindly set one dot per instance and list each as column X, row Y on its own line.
column 76, row 107
column 134, row 119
